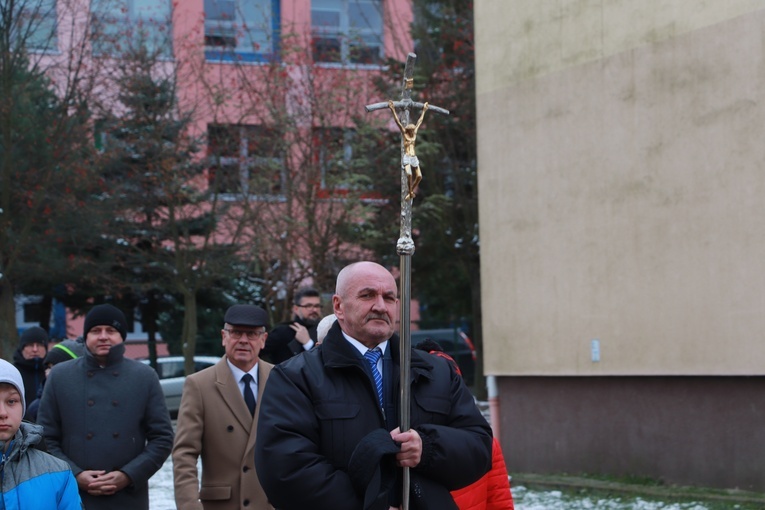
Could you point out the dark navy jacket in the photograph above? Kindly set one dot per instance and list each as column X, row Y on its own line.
column 319, row 406
column 32, row 372
column 281, row 344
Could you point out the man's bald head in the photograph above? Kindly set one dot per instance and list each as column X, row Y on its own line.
column 366, row 302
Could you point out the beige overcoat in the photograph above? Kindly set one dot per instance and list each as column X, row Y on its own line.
column 214, row 424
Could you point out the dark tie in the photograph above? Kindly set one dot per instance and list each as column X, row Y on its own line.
column 373, row 356
column 249, row 398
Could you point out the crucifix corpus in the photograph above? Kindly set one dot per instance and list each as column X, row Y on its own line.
column 411, row 175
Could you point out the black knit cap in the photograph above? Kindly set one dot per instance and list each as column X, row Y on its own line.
column 32, row 335
column 105, row 315
column 246, row 315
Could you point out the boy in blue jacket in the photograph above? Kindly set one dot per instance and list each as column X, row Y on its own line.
column 30, row 479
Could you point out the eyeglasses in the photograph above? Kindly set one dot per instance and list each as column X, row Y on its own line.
column 236, row 334
column 313, row 307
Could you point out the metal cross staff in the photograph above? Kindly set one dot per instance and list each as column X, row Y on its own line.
column 410, row 177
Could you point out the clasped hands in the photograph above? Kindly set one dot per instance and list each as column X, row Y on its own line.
column 101, row 483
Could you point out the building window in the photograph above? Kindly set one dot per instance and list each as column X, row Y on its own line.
column 245, row 160
column 30, row 311
column 347, row 31
column 347, row 160
column 120, row 25
column 333, row 152
column 33, row 312
column 100, row 135
column 36, row 28
column 241, row 30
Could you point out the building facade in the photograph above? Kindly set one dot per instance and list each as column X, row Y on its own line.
column 272, row 86
column 621, row 218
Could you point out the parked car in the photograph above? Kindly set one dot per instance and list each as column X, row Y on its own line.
column 172, row 377
column 456, row 344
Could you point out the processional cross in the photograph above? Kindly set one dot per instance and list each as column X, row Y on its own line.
column 411, row 175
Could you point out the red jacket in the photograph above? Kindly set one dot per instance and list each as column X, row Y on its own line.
column 492, row 492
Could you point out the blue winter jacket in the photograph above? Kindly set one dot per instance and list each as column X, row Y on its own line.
column 35, row 480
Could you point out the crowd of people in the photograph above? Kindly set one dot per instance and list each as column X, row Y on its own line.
column 305, row 415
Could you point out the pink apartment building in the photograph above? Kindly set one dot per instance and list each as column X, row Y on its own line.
column 219, row 51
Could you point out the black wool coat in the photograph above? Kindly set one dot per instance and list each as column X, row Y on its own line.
column 281, row 344
column 32, row 373
column 318, row 408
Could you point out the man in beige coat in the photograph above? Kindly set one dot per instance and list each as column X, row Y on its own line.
column 218, row 418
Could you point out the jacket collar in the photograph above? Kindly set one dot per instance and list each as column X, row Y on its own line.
column 32, row 364
column 28, row 436
column 116, row 355
column 338, row 353
column 300, row 321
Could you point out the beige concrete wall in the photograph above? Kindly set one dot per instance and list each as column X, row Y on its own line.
column 519, row 39
column 622, row 186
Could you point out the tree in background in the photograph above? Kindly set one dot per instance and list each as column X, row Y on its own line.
column 44, row 155
column 288, row 174
column 299, row 156
column 169, row 236
column 287, row 189
column 445, row 211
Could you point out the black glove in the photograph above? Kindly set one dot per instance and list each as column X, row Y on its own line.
column 372, row 469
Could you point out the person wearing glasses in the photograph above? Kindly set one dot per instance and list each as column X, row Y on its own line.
column 289, row 339
column 218, row 418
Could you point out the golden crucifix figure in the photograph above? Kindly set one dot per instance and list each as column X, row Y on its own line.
column 405, row 243
column 410, row 162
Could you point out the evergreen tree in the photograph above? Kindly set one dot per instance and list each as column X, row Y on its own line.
column 44, row 171
column 292, row 145
column 446, row 264
column 168, row 236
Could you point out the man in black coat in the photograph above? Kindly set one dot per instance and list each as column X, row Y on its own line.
column 328, row 434
column 299, row 335
column 28, row 359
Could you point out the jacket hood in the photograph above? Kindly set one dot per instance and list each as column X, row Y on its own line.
column 28, row 436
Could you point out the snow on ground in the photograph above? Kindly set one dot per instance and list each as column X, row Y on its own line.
column 161, row 498
column 555, row 500
column 161, row 495
column 161, row 488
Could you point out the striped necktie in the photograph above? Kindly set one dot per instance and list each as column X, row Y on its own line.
column 373, row 356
